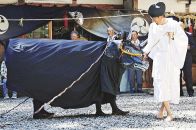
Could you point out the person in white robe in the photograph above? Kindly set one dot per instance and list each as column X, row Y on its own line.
column 167, row 46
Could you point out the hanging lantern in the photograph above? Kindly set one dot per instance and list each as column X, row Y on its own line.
column 191, row 28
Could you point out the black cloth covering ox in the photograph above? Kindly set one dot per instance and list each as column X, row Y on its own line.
column 41, row 69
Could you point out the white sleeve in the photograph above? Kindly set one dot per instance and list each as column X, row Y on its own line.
column 153, row 37
column 117, row 42
column 180, row 46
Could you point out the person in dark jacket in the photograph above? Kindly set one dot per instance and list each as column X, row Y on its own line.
column 187, row 68
column 111, row 73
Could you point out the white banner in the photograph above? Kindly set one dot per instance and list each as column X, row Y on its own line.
column 110, row 2
column 186, row 1
column 170, row 4
column 8, row 1
column 50, row 1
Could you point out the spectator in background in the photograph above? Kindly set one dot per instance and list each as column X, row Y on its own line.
column 135, row 74
column 4, row 72
column 111, row 34
column 75, row 35
column 4, row 80
column 187, row 68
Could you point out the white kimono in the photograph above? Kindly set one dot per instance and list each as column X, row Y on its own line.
column 168, row 58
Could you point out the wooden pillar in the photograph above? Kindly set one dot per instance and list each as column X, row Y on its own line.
column 128, row 4
column 194, row 73
column 131, row 4
column 2, row 52
column 135, row 4
column 187, row 6
column 50, row 30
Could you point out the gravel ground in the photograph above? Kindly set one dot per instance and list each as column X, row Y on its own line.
column 142, row 116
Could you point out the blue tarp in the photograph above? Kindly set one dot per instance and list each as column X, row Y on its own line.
column 43, row 68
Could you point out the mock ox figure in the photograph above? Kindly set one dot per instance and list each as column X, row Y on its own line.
column 42, row 69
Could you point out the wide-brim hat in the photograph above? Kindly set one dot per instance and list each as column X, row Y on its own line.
column 156, row 10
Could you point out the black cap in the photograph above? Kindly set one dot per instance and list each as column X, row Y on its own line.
column 156, row 10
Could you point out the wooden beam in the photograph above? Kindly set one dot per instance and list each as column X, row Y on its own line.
column 50, row 30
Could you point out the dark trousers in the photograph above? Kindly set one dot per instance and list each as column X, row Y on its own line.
column 135, row 75
column 187, row 70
